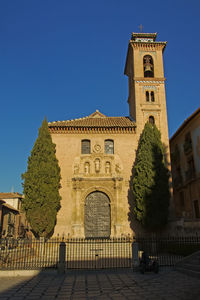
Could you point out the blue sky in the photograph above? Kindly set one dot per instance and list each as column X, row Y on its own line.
column 65, row 59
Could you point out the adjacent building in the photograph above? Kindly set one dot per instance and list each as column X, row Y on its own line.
column 185, row 157
column 12, row 219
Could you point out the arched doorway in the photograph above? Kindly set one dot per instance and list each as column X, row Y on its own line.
column 97, row 215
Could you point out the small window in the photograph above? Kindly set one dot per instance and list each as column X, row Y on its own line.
column 182, row 201
column 9, row 218
column 109, row 146
column 152, row 120
column 152, row 97
column 147, row 96
column 85, row 146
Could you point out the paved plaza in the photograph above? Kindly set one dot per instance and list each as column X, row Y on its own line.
column 103, row 284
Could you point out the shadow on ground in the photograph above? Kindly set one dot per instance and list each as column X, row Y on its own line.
column 102, row 284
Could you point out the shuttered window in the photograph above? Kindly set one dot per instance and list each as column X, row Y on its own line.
column 109, row 146
column 85, row 146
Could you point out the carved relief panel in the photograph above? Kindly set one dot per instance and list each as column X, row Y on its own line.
column 98, row 165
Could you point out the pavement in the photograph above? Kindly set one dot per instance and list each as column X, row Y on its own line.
column 102, row 284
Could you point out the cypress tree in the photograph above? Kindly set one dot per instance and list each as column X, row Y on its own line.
column 41, row 185
column 151, row 180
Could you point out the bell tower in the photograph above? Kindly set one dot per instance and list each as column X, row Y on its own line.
column 144, row 68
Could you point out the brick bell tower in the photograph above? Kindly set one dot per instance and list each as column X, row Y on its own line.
column 144, row 68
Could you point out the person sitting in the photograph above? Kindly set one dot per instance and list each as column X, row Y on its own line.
column 145, row 258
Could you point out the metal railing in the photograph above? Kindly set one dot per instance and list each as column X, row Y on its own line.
column 168, row 250
column 92, row 253
column 28, row 254
column 79, row 253
column 98, row 253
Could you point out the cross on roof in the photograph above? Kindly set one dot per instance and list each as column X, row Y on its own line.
column 141, row 27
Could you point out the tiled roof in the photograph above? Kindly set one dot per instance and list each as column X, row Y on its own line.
column 96, row 119
column 10, row 195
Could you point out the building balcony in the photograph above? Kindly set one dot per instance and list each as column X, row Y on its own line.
column 177, row 182
column 187, row 147
column 175, row 156
column 189, row 174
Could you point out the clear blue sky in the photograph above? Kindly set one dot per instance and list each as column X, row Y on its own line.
column 65, row 59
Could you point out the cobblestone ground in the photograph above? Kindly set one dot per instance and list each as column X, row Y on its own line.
column 118, row 284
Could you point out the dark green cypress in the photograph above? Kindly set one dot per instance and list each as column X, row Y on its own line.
column 41, row 185
column 151, row 180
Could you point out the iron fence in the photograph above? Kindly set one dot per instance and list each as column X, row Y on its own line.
column 98, row 253
column 92, row 253
column 28, row 254
column 79, row 253
column 168, row 250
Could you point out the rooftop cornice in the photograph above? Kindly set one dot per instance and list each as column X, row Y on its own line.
column 91, row 130
column 148, row 45
column 10, row 195
column 143, row 35
column 185, row 123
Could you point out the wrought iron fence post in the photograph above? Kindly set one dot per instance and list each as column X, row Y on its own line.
column 135, row 256
column 42, row 244
column 62, row 255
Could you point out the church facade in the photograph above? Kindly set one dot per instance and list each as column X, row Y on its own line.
column 96, row 153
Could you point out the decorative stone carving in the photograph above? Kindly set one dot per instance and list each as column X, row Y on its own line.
column 142, row 81
column 108, row 167
column 149, row 87
column 76, row 184
column 76, row 168
column 97, row 148
column 97, row 165
column 118, row 168
column 87, row 168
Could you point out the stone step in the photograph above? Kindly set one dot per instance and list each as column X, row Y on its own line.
column 194, row 261
column 188, row 271
column 190, row 266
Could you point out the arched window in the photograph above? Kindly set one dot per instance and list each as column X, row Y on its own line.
column 109, row 146
column 85, row 146
column 147, row 96
column 151, row 120
column 152, row 97
column 148, row 66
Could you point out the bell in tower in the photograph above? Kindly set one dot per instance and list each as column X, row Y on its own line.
column 148, row 66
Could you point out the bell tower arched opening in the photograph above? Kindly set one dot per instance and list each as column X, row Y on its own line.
column 148, row 66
